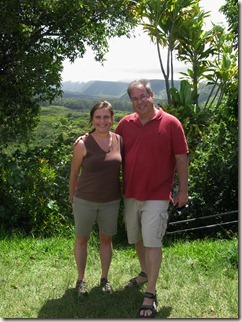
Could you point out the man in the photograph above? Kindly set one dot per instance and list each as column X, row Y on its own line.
column 154, row 147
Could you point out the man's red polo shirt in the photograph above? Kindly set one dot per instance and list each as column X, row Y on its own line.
column 149, row 155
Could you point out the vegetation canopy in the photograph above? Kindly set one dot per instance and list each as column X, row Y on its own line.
column 35, row 38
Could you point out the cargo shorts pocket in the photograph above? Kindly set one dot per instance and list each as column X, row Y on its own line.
column 163, row 219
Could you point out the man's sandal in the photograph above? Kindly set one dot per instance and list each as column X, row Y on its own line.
column 133, row 281
column 152, row 308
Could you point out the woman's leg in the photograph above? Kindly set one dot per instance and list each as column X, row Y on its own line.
column 80, row 254
column 106, row 251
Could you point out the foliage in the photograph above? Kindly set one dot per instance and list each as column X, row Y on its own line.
column 231, row 10
column 214, row 172
column 191, row 116
column 73, row 103
column 193, row 49
column 224, row 66
column 185, row 97
column 86, row 104
column 34, row 191
column 36, row 37
column 35, row 178
column 212, row 136
column 59, row 121
column 177, row 26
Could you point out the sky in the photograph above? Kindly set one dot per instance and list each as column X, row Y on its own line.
column 133, row 58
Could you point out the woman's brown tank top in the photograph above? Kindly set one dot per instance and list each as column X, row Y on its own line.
column 100, row 171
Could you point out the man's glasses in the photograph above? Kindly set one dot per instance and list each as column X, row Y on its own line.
column 142, row 98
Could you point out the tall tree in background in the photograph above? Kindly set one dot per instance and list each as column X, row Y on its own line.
column 230, row 10
column 193, row 49
column 35, row 38
column 178, row 26
column 224, row 66
column 165, row 22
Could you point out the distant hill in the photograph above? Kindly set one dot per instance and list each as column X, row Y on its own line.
column 95, row 90
column 109, row 89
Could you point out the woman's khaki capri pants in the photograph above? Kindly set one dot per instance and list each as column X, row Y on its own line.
column 146, row 220
column 87, row 212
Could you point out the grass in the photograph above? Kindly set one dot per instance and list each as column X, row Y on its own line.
column 198, row 279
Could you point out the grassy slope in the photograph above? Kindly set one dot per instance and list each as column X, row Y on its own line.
column 198, row 279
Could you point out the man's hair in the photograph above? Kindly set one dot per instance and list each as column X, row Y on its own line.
column 144, row 82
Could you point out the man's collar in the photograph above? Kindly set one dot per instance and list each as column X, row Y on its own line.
column 135, row 117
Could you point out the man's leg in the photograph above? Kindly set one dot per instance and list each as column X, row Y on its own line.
column 153, row 259
column 140, row 250
column 154, row 223
column 133, row 226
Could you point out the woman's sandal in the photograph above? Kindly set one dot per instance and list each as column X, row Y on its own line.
column 152, row 308
column 133, row 281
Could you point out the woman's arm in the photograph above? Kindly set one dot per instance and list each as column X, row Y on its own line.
column 78, row 154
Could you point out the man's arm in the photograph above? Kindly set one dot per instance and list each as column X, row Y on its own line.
column 182, row 171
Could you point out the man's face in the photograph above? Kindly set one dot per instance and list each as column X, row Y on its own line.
column 142, row 101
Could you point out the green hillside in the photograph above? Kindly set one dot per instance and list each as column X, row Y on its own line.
column 95, row 90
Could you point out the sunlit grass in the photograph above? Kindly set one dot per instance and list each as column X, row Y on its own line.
column 198, row 279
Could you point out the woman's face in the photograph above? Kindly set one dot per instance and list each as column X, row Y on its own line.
column 102, row 120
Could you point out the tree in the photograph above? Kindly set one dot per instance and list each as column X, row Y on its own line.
column 35, row 38
column 178, row 26
column 193, row 49
column 230, row 10
column 165, row 22
column 224, row 66
column 194, row 120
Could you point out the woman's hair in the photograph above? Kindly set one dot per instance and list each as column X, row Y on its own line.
column 144, row 82
column 99, row 105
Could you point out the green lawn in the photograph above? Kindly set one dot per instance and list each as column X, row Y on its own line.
column 198, row 279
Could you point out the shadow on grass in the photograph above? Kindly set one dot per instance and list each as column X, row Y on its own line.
column 121, row 304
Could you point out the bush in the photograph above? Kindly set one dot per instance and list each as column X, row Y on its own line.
column 34, row 186
column 34, row 182
column 214, row 172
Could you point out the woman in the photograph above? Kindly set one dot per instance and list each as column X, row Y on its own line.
column 95, row 192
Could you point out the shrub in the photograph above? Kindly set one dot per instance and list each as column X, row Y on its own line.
column 214, row 172
column 34, row 186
